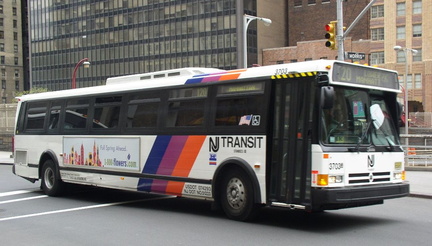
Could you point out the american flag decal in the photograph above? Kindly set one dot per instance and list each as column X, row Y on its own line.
column 245, row 120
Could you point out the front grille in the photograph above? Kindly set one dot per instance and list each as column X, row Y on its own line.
column 367, row 178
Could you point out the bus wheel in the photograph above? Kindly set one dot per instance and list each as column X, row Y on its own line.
column 51, row 184
column 237, row 197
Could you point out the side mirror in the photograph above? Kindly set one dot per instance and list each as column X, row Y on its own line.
column 377, row 116
column 327, row 97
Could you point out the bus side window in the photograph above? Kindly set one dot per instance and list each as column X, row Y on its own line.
column 35, row 118
column 76, row 114
column 186, row 107
column 107, row 112
column 230, row 111
column 142, row 111
column 186, row 113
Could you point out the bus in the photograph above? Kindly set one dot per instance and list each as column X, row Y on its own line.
column 313, row 136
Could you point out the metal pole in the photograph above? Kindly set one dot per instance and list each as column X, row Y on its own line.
column 247, row 19
column 340, row 34
column 406, row 95
column 75, row 72
column 246, row 22
column 364, row 11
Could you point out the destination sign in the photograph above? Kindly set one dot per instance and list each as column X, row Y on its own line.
column 363, row 75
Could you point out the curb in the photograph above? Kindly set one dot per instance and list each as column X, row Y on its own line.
column 424, row 196
column 418, row 168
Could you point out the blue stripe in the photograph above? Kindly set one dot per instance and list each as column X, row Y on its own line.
column 153, row 161
column 194, row 81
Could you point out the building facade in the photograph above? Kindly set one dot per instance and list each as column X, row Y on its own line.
column 122, row 37
column 405, row 23
column 11, row 49
column 307, row 18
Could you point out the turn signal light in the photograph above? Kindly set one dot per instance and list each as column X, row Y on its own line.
column 322, row 179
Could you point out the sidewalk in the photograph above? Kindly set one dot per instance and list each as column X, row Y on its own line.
column 418, row 177
column 5, row 157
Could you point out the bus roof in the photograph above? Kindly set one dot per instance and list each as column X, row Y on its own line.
column 194, row 75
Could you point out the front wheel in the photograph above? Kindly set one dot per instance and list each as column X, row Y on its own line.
column 237, row 197
column 51, row 184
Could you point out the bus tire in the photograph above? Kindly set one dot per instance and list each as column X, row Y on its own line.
column 51, row 183
column 237, row 197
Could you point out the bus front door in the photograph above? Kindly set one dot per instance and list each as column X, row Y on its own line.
column 290, row 158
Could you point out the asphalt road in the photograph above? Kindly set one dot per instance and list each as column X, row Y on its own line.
column 93, row 216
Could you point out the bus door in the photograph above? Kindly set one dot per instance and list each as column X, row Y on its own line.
column 291, row 142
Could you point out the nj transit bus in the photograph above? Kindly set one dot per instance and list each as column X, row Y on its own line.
column 313, row 136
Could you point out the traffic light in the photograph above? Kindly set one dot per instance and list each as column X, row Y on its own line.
column 331, row 35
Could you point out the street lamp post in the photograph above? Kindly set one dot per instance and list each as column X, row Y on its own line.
column 247, row 19
column 413, row 51
column 86, row 64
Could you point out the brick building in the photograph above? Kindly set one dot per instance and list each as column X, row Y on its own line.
column 307, row 18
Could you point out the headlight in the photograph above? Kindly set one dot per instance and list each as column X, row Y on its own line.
column 335, row 179
column 399, row 175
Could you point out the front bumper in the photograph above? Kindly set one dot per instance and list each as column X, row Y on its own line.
column 335, row 198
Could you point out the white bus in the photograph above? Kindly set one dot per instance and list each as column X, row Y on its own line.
column 313, row 135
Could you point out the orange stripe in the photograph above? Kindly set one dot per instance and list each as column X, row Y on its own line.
column 229, row 76
column 237, row 71
column 185, row 163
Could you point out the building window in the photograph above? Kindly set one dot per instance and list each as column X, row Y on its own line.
column 3, row 72
column 1, row 34
column 417, row 30
column 2, row 47
column 418, row 80
column 400, row 32
column 15, row 34
column 311, row 1
column 15, row 48
column 3, row 84
column 400, row 9
column 377, row 58
column 2, row 59
column 16, row 60
column 418, row 56
column 377, row 11
column 293, row 60
column 409, row 81
column 1, row 9
column 401, row 57
column 15, row 24
column 297, row 3
column 1, row 21
column 17, row 87
column 279, row 62
column 325, row 1
column 417, row 7
column 16, row 75
column 378, row 34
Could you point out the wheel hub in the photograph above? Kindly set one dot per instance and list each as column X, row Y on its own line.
column 236, row 193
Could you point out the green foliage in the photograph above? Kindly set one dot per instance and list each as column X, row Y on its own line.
column 31, row 91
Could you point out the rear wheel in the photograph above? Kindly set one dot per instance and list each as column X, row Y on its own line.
column 51, row 184
column 237, row 197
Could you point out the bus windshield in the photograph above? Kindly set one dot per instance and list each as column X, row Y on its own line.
column 349, row 121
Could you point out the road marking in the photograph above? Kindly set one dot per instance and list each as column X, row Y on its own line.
column 81, row 208
column 17, row 192
column 23, row 199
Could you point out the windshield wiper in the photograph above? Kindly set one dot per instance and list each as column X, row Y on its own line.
column 360, row 140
